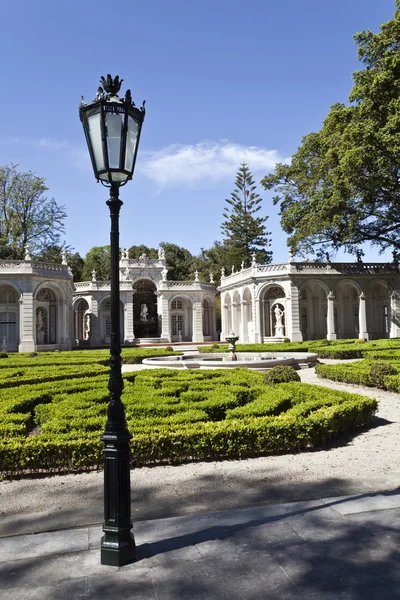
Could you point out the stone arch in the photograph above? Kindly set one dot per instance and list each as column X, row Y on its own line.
column 145, row 314
column 207, row 307
column 346, row 308
column 47, row 314
column 104, row 308
column 378, row 309
column 181, row 317
column 313, row 309
column 271, row 295
column 81, row 320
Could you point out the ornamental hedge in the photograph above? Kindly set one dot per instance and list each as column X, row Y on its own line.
column 52, row 416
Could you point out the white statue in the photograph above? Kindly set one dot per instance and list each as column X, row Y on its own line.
column 242, row 265
column 63, row 257
column 143, row 258
column 143, row 313
column 211, row 278
column 196, row 275
column 27, row 253
column 278, row 321
column 126, row 274
column 161, row 254
column 223, row 272
column 93, row 275
column 253, row 259
column 86, row 326
column 164, row 273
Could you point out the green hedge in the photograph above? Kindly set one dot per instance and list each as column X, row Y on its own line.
column 173, row 416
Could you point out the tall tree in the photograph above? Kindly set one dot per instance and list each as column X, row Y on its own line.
column 27, row 216
column 342, row 187
column 180, row 262
column 98, row 260
column 244, row 231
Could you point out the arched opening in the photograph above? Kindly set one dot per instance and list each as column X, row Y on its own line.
column 206, row 318
column 181, row 320
column 378, row 311
column 82, row 321
column 8, row 319
column 105, row 320
column 271, row 296
column 46, row 317
column 313, row 311
column 346, row 316
column 145, row 309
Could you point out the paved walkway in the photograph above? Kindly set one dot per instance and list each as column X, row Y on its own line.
column 342, row 548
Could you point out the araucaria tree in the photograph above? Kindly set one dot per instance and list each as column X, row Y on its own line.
column 27, row 217
column 244, row 231
column 342, row 187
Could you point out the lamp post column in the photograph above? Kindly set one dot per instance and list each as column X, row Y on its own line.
column 117, row 544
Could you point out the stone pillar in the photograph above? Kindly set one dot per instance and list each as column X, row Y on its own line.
column 65, row 342
column 129, row 334
column 294, row 334
column 164, row 315
column 224, row 323
column 233, row 318
column 27, row 323
column 331, row 334
column 256, row 306
column 95, row 337
column 197, row 335
column 362, row 317
column 243, row 338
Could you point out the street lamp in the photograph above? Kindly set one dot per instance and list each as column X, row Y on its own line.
column 112, row 127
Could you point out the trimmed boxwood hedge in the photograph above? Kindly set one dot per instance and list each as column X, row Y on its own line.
column 51, row 421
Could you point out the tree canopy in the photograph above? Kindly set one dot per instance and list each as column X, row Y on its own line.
column 244, row 231
column 27, row 216
column 342, row 188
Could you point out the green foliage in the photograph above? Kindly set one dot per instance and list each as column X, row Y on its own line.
column 244, row 231
column 281, row 374
column 341, row 187
column 180, row 262
column 53, row 254
column 379, row 371
column 98, row 260
column 3, row 355
column 173, row 415
column 27, row 217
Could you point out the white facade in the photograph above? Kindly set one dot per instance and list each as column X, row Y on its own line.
column 311, row 300
column 153, row 309
column 35, row 306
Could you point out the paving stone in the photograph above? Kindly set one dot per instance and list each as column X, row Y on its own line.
column 76, row 589
column 136, row 583
column 347, row 505
column 56, row 542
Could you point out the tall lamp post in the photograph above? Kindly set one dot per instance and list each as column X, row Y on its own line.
column 112, row 128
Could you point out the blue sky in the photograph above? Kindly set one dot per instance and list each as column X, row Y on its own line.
column 224, row 81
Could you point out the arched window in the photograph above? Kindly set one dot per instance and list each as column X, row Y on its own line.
column 46, row 317
column 206, row 318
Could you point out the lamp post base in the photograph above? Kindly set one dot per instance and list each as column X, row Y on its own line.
column 119, row 551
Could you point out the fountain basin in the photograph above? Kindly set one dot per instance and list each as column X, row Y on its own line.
column 258, row 361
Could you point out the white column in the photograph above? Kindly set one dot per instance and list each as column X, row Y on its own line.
column 331, row 334
column 27, row 323
column 257, row 321
column 164, row 313
column 224, row 321
column 243, row 334
column 129, row 334
column 295, row 334
column 197, row 335
column 362, row 317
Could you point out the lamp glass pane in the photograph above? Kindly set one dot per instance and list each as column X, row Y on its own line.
column 94, row 125
column 131, row 141
column 114, row 133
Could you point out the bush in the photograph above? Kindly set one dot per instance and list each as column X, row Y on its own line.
column 281, row 374
column 169, row 349
column 286, row 340
column 32, row 354
column 3, row 355
column 379, row 371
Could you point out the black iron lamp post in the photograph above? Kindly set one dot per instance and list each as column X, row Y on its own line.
column 112, row 128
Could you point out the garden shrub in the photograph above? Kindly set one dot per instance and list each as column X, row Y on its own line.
column 3, row 355
column 379, row 371
column 281, row 374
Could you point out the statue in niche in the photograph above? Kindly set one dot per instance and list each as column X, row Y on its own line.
column 40, row 326
column 86, row 326
column 278, row 321
column 144, row 311
column 126, row 274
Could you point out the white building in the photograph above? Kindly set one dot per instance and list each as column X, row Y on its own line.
column 42, row 309
column 311, row 300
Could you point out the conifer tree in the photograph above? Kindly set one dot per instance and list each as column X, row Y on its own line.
column 244, row 231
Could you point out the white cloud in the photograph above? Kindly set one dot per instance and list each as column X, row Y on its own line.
column 206, row 161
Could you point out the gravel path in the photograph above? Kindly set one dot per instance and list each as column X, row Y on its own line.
column 367, row 463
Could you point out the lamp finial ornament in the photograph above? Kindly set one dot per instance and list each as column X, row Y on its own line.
column 111, row 85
